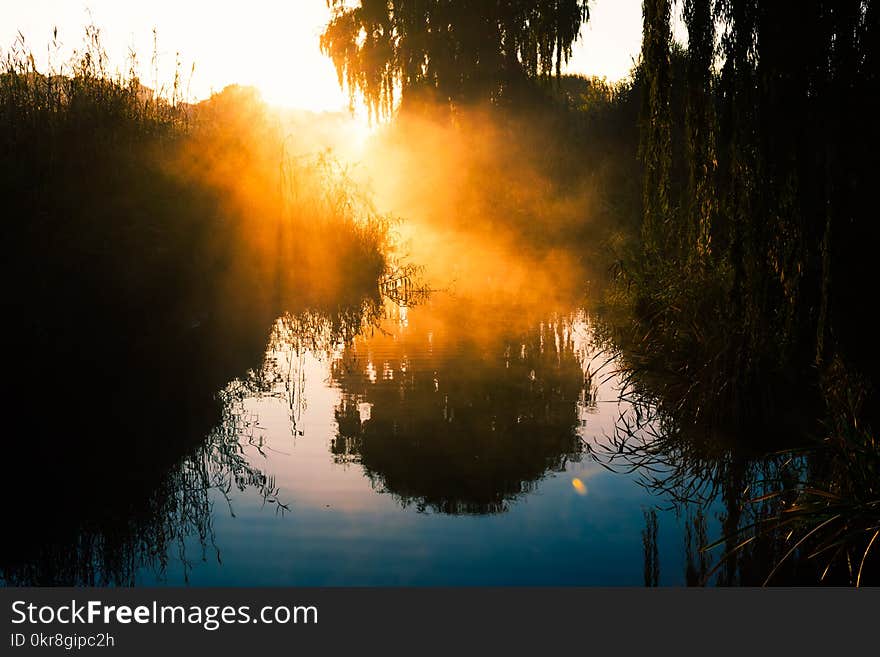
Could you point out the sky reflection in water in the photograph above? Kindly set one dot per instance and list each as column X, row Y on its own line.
column 443, row 446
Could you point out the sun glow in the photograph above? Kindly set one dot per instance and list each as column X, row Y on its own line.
column 271, row 45
column 282, row 42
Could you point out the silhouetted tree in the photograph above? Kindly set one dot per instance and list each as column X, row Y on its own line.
column 758, row 237
column 451, row 50
column 766, row 183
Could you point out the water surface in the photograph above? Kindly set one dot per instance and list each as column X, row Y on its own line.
column 439, row 444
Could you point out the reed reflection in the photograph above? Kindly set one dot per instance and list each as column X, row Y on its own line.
column 792, row 516
column 145, row 492
column 128, row 524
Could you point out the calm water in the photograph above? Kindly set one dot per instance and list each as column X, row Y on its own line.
column 439, row 444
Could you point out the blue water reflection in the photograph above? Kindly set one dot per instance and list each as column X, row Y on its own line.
column 443, row 445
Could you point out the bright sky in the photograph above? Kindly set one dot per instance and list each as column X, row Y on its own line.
column 270, row 44
column 610, row 42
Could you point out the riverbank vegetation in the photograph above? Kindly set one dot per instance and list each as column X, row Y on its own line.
column 744, row 297
column 150, row 244
column 131, row 212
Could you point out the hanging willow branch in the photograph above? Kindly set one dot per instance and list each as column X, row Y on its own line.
column 458, row 50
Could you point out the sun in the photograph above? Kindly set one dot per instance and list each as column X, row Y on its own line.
column 275, row 47
column 286, row 62
column 310, row 85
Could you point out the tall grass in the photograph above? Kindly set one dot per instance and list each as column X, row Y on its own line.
column 150, row 244
column 140, row 204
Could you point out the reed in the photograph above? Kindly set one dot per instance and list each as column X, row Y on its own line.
column 150, row 244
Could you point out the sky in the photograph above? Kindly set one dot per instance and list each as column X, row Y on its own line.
column 270, row 44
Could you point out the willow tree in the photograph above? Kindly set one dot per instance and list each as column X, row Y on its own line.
column 767, row 185
column 451, row 50
column 656, row 134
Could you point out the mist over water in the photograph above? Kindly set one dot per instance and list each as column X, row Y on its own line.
column 431, row 430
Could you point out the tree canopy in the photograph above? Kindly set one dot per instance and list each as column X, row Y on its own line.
column 452, row 50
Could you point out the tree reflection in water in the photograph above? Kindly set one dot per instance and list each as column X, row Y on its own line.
column 451, row 409
column 464, row 430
